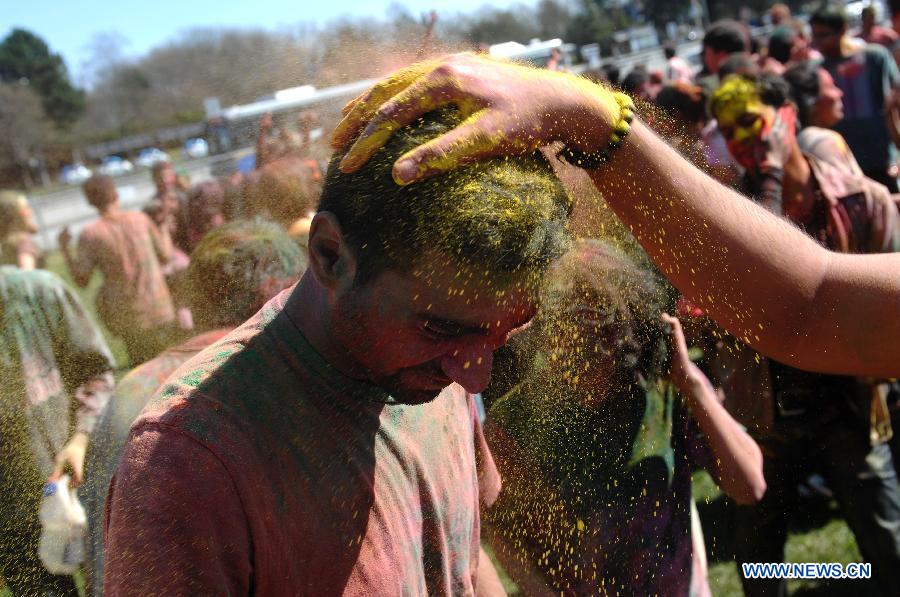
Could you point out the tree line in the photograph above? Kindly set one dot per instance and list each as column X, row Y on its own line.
column 44, row 114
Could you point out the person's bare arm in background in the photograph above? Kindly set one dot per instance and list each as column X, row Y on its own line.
column 760, row 278
column 738, row 460
column 81, row 267
column 262, row 140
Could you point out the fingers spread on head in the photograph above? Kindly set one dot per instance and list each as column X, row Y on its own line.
column 365, row 106
column 428, row 93
column 352, row 103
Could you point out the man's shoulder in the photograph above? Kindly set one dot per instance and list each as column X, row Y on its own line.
column 214, row 383
column 136, row 218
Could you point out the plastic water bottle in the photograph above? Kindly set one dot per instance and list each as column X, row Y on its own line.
column 63, row 525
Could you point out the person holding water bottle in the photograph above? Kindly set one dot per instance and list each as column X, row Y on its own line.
column 50, row 353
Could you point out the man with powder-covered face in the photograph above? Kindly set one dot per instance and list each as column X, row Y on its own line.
column 331, row 445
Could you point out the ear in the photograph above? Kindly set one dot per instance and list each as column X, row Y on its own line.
column 331, row 260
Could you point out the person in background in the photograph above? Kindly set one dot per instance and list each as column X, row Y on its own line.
column 55, row 380
column 722, row 39
column 869, row 78
column 845, row 212
column 612, row 74
column 677, row 68
column 820, row 106
column 873, row 33
column 554, row 63
column 778, row 50
column 791, row 45
column 283, row 191
column 234, row 271
column 780, row 15
column 169, row 210
column 205, row 210
column 134, row 301
column 17, row 230
column 597, row 441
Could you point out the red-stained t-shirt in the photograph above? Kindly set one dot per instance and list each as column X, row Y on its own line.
column 259, row 469
column 127, row 248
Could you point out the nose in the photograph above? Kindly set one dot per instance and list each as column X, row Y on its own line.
column 469, row 367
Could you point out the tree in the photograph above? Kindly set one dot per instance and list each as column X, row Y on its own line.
column 23, row 130
column 26, row 59
column 493, row 25
column 595, row 21
column 553, row 17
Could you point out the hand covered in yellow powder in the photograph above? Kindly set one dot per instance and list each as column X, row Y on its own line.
column 508, row 109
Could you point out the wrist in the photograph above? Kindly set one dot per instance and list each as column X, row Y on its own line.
column 597, row 127
column 691, row 382
column 79, row 438
column 589, row 116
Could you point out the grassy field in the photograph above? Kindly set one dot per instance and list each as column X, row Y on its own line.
column 818, row 534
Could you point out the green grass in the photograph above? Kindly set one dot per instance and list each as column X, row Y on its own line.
column 817, row 534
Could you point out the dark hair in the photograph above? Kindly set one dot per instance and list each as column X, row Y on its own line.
column 669, row 50
column 772, row 90
column 613, row 74
column 781, row 42
column 237, row 267
column 685, row 102
column 805, row 87
column 727, row 35
column 100, row 190
column 738, row 64
column 502, row 215
column 634, row 80
column 830, row 16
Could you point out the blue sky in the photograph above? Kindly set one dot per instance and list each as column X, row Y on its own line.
column 69, row 25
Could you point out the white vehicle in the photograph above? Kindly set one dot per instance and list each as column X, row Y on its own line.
column 113, row 165
column 536, row 52
column 74, row 174
column 196, row 148
column 150, row 156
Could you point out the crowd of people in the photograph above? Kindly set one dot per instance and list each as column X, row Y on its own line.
column 310, row 406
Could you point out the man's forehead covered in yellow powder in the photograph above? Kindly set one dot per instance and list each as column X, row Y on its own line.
column 739, row 110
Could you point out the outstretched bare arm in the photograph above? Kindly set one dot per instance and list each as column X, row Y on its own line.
column 759, row 277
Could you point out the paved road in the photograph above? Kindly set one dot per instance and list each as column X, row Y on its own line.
column 68, row 207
